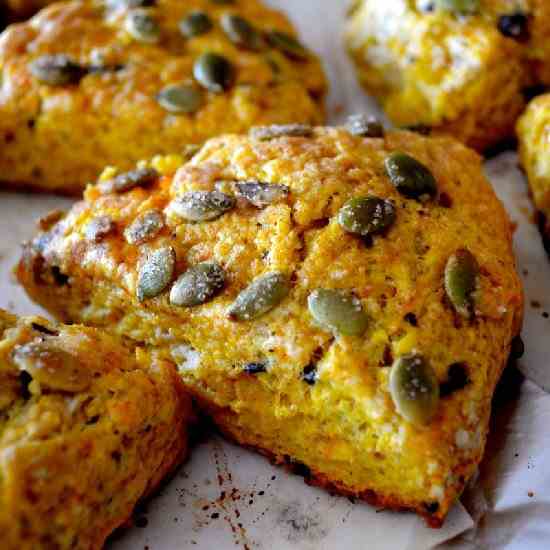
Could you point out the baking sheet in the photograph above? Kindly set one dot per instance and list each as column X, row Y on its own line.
column 226, row 497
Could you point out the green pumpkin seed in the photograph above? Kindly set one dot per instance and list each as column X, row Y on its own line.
column 366, row 216
column 261, row 296
column 144, row 227
column 288, row 45
column 214, row 72
column 198, row 285
column 241, row 32
column 180, row 98
column 461, row 274
column 458, row 6
column 57, row 70
column 414, row 389
column 195, row 24
column 128, row 180
column 338, row 311
column 265, row 133
column 142, row 26
column 261, row 194
column 201, row 206
column 410, row 177
column 364, row 126
column 156, row 273
column 98, row 228
column 52, row 367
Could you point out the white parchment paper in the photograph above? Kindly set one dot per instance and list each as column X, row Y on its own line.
column 226, row 497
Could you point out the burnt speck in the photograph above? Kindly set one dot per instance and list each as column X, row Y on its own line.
column 457, row 379
column 411, row 319
column 545, row 314
column 60, row 278
column 44, row 330
column 445, row 200
column 255, row 368
column 515, row 25
column 387, row 358
column 141, row 522
column 215, row 515
column 431, row 507
column 309, row 374
column 25, row 379
column 368, row 241
column 422, row 129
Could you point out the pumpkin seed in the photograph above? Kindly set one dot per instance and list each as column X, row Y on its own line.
column 142, row 26
column 52, row 367
column 414, row 388
column 261, row 194
column 261, row 296
column 128, row 180
column 180, row 98
column 461, row 274
column 366, row 216
column 338, row 311
column 198, row 285
column 410, row 177
column 458, row 6
column 200, row 206
column 98, row 228
column 214, row 72
column 144, row 227
column 195, row 24
column 57, row 70
column 364, row 126
column 241, row 32
column 156, row 273
column 265, row 133
column 288, row 45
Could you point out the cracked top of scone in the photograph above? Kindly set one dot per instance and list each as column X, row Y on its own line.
column 88, row 425
column 459, row 66
column 91, row 83
column 297, row 247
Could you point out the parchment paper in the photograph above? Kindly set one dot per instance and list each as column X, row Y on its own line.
column 226, row 497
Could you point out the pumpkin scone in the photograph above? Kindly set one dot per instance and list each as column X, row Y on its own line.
column 460, row 67
column 88, row 426
column 344, row 304
column 534, row 150
column 90, row 83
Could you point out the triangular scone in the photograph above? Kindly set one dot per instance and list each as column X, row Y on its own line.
column 90, row 83
column 88, row 426
column 342, row 303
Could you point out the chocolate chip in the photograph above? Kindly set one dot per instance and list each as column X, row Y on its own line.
column 309, row 374
column 514, row 25
column 411, row 319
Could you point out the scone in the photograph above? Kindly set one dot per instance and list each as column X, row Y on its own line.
column 534, row 150
column 459, row 67
column 90, row 83
column 88, row 426
column 341, row 303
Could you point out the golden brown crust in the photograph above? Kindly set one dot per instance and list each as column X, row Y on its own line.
column 110, row 114
column 88, row 426
column 342, row 414
column 462, row 75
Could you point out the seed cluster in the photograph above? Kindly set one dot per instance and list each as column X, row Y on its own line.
column 413, row 384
